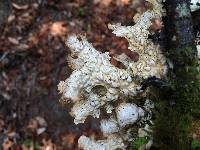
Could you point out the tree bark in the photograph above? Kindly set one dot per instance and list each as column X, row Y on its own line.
column 5, row 10
column 178, row 105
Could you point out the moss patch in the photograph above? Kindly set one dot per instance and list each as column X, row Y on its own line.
column 179, row 105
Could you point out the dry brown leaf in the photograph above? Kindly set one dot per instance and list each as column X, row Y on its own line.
column 23, row 47
column 27, row 148
column 7, row 145
column 58, row 29
column 11, row 134
column 19, row 7
column 69, row 139
column 123, row 2
column 33, row 39
column 13, row 40
column 11, row 18
column 103, row 2
column 48, row 145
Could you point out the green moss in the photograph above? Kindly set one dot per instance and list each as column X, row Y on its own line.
column 195, row 145
column 182, row 56
column 81, row 12
column 29, row 143
column 139, row 142
column 179, row 105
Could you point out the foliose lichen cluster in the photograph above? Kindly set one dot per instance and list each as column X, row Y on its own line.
column 194, row 5
column 95, row 84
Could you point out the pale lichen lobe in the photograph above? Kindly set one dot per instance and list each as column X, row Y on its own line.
column 96, row 84
column 182, row 10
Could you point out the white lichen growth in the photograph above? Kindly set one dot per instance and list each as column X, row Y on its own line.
column 112, row 142
column 151, row 60
column 195, row 5
column 96, row 84
column 93, row 70
column 109, row 126
column 182, row 10
column 128, row 114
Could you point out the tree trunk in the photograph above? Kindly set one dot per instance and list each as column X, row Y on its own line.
column 5, row 10
column 178, row 105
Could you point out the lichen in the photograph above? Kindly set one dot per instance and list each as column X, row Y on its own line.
column 96, row 84
column 111, row 143
column 182, row 10
column 194, row 5
column 109, row 126
column 128, row 114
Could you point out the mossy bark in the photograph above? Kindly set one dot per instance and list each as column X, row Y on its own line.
column 177, row 106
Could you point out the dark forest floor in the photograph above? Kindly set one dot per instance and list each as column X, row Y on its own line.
column 33, row 61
